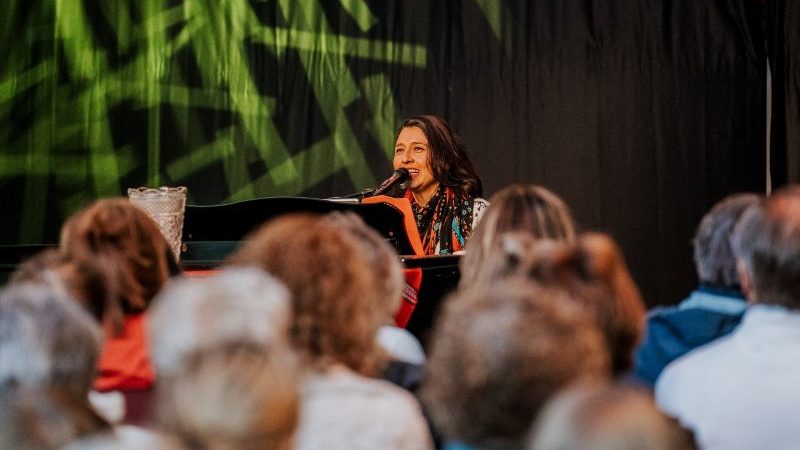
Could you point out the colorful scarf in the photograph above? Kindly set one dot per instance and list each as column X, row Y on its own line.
column 445, row 223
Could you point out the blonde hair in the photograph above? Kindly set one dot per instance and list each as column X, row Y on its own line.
column 525, row 208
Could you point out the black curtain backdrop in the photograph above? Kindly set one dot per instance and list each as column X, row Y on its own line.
column 640, row 114
column 783, row 23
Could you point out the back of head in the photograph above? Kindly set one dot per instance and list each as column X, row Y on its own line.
column 237, row 396
column 592, row 271
column 49, row 348
column 332, row 291
column 527, row 209
column 713, row 254
column 46, row 340
column 606, row 418
column 767, row 244
column 83, row 279
column 45, row 419
column 242, row 305
column 385, row 268
column 124, row 239
column 499, row 353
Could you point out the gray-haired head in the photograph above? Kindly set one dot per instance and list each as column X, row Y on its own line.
column 47, row 340
column 611, row 417
column 243, row 305
column 713, row 254
column 766, row 242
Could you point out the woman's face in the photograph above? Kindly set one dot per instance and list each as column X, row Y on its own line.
column 411, row 151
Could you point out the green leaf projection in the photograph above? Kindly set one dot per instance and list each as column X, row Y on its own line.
column 235, row 99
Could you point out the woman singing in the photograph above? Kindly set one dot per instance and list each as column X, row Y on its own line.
column 443, row 188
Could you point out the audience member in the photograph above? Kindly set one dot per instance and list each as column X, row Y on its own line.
column 241, row 305
column 237, row 396
column 49, row 348
column 606, row 418
column 83, row 279
column 713, row 309
column 404, row 352
column 517, row 208
column 498, row 355
column 593, row 273
column 226, row 375
column 740, row 391
column 336, row 319
column 125, row 241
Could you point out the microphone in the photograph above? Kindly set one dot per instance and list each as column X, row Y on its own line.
column 398, row 176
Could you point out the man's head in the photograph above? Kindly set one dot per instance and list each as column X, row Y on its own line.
column 713, row 255
column 767, row 247
column 500, row 352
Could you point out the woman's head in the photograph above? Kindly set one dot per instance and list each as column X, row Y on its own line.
column 594, row 274
column 332, row 289
column 529, row 209
column 434, row 155
column 127, row 242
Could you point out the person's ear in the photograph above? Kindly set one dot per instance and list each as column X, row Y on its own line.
column 745, row 281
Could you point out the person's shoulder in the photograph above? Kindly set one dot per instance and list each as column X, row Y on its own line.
column 480, row 204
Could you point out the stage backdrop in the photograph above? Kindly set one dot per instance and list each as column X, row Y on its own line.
column 640, row 113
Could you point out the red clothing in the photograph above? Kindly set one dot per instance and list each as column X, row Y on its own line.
column 125, row 361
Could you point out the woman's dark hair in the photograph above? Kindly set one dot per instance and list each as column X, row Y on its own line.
column 450, row 164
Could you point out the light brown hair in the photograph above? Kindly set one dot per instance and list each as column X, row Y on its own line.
column 525, row 208
column 332, row 291
column 593, row 272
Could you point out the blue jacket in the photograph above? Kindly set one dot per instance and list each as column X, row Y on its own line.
column 705, row 315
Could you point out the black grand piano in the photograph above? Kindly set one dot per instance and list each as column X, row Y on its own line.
column 211, row 233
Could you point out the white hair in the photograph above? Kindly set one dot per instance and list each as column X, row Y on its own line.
column 238, row 305
column 46, row 339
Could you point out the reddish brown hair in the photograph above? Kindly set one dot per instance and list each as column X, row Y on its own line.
column 127, row 242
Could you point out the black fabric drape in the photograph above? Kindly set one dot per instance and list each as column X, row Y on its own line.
column 783, row 23
column 640, row 114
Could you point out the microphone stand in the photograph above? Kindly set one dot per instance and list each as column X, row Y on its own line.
column 364, row 193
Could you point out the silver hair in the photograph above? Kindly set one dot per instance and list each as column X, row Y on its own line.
column 242, row 305
column 46, row 340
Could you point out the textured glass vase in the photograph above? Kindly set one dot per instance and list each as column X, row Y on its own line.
column 166, row 206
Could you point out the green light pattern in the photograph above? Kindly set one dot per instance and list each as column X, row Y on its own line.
column 69, row 79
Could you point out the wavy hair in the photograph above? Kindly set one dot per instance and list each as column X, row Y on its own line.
column 521, row 207
column 449, row 162
column 331, row 286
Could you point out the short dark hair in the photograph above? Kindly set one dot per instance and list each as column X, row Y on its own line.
column 449, row 162
column 713, row 254
column 767, row 242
